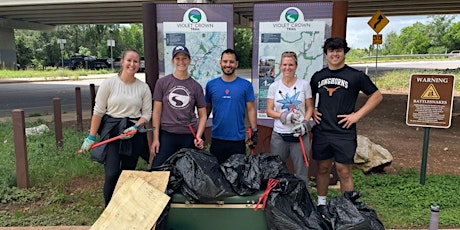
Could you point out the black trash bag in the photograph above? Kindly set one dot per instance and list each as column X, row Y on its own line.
column 349, row 214
column 175, row 176
column 249, row 174
column 198, row 175
column 366, row 211
column 289, row 206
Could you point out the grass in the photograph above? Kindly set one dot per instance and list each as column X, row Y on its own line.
column 66, row 188
column 399, row 80
column 50, row 73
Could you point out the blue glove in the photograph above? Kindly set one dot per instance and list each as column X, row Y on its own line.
column 87, row 143
column 301, row 129
column 124, row 137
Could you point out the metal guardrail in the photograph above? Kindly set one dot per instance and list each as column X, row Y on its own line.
column 413, row 56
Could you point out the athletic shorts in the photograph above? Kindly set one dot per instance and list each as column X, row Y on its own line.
column 342, row 150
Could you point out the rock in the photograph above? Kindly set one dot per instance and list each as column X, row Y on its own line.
column 371, row 157
column 37, row 130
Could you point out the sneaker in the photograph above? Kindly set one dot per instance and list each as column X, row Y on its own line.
column 324, row 212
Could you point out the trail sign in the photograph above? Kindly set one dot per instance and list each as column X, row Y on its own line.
column 429, row 101
column 378, row 21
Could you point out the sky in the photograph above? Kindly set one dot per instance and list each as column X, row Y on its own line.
column 359, row 33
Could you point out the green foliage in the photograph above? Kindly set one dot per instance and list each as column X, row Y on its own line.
column 451, row 38
column 52, row 172
column 399, row 80
column 356, row 55
column 50, row 73
column 243, row 46
column 402, row 202
column 435, row 37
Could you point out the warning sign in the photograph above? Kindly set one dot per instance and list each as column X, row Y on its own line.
column 429, row 101
column 430, row 93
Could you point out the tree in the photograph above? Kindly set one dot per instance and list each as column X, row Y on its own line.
column 132, row 37
column 242, row 38
column 414, row 39
column 451, row 38
column 24, row 50
column 392, row 44
column 437, row 28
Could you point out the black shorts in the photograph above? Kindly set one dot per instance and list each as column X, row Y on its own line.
column 342, row 150
column 223, row 149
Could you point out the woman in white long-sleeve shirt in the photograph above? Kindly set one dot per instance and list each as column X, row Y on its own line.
column 123, row 103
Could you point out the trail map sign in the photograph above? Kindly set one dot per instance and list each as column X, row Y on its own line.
column 300, row 28
column 429, row 101
column 205, row 29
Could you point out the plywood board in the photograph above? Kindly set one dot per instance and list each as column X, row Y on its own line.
column 136, row 206
column 158, row 179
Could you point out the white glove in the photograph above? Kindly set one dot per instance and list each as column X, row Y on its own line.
column 301, row 129
column 287, row 117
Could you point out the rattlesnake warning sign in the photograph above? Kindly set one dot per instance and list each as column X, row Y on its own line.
column 429, row 101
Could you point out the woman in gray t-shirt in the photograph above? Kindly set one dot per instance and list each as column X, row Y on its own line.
column 175, row 98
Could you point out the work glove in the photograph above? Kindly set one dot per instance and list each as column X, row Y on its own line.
column 127, row 136
column 301, row 128
column 253, row 138
column 287, row 117
column 87, row 143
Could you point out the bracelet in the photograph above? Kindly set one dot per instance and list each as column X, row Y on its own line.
column 135, row 126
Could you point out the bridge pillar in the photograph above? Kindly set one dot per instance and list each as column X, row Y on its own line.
column 339, row 18
column 7, row 49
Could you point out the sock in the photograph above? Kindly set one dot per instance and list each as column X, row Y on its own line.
column 321, row 200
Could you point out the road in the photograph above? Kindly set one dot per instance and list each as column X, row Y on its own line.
column 36, row 98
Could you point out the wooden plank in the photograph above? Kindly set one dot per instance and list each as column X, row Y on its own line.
column 158, row 179
column 136, row 205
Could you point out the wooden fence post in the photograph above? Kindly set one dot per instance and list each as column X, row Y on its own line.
column 78, row 109
column 20, row 149
column 57, row 121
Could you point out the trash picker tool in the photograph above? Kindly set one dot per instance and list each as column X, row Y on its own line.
column 116, row 138
column 250, row 143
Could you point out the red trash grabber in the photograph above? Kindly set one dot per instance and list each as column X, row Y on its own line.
column 116, row 138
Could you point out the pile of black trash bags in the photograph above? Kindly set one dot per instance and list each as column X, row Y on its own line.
column 198, row 176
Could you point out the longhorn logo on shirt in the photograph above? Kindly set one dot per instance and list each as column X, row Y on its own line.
column 331, row 90
column 179, row 97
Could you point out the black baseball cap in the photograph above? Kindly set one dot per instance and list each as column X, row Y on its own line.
column 180, row 49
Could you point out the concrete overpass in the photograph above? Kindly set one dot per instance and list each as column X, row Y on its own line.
column 47, row 15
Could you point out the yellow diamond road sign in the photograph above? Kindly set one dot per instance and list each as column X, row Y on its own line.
column 378, row 21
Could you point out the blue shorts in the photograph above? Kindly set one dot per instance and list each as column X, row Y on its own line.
column 342, row 150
